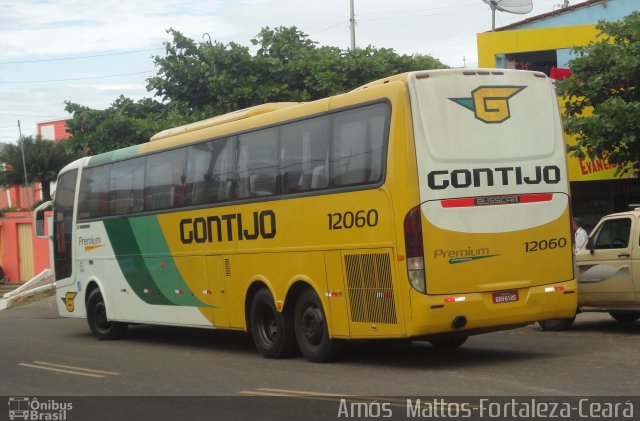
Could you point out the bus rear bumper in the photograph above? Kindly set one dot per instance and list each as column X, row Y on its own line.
column 490, row 311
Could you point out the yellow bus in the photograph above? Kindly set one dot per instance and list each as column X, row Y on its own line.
column 430, row 205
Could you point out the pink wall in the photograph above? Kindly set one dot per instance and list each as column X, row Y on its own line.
column 10, row 261
column 20, row 197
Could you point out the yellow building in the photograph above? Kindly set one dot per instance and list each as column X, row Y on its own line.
column 544, row 43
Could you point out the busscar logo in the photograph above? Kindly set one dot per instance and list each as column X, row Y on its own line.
column 490, row 104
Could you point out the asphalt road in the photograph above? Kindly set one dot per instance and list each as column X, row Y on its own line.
column 42, row 354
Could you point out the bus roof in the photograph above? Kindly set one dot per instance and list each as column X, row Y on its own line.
column 224, row 118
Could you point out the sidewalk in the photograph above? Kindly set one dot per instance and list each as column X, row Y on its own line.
column 43, row 282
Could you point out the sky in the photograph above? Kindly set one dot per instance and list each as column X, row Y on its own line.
column 90, row 52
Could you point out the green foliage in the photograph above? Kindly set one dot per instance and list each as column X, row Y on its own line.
column 44, row 159
column 124, row 123
column 604, row 81
column 201, row 80
column 287, row 66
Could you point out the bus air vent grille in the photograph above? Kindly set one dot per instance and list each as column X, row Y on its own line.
column 227, row 267
column 370, row 288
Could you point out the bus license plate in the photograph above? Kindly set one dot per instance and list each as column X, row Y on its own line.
column 505, row 297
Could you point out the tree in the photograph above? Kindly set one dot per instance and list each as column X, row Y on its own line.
column 124, row 123
column 603, row 100
column 201, row 80
column 44, row 159
column 288, row 66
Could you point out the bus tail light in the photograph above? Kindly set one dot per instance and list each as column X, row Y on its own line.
column 415, row 250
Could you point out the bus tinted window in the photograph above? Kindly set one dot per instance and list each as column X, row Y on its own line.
column 257, row 166
column 224, row 169
column 210, row 172
column 164, row 180
column 303, row 156
column 344, row 148
column 93, row 199
column 357, row 145
column 126, row 186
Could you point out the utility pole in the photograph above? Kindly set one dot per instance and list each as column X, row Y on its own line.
column 352, row 25
column 24, row 161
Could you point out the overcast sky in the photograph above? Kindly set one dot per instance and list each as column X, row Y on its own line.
column 90, row 52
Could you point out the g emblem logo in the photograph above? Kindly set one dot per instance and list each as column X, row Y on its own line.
column 490, row 104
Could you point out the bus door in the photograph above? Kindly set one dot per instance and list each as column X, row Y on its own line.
column 63, row 228
column 606, row 274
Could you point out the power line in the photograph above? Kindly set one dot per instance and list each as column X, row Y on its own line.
column 26, row 116
column 330, row 27
column 449, row 5
column 469, row 10
column 79, row 57
column 79, row 78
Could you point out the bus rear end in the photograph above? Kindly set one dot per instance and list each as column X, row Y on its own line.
column 489, row 246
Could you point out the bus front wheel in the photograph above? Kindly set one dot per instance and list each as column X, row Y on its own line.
column 271, row 330
column 100, row 326
column 312, row 332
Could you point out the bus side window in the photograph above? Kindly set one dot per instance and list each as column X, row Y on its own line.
column 164, row 180
column 257, row 166
column 126, row 186
column 93, row 200
column 358, row 143
column 200, row 158
column 304, row 147
column 210, row 172
column 223, row 171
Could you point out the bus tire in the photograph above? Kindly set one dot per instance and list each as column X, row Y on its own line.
column 312, row 332
column 271, row 330
column 448, row 342
column 625, row 316
column 100, row 326
column 556, row 325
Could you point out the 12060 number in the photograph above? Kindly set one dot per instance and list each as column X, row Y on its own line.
column 553, row 243
column 348, row 219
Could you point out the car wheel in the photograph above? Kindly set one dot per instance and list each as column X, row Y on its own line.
column 625, row 316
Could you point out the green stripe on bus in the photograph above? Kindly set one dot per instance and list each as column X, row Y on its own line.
column 125, row 247
column 163, row 269
column 108, row 157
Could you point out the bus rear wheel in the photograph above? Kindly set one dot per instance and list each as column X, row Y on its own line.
column 271, row 330
column 312, row 332
column 556, row 325
column 100, row 326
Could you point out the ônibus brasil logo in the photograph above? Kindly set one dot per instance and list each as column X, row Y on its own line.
column 490, row 104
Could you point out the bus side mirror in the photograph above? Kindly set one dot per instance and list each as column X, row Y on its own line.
column 39, row 219
column 590, row 245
